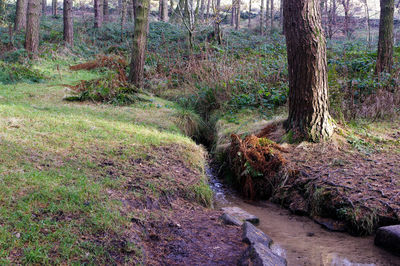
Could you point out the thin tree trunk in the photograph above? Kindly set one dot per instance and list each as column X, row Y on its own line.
column 233, row 12
column 123, row 18
column 237, row 26
column 208, row 8
column 384, row 61
column 368, row 23
column 202, row 8
column 106, row 10
column 249, row 14
column 139, row 42
column 346, row 7
column 68, row 23
column 261, row 18
column 44, row 5
column 32, row 28
column 308, row 81
column 98, row 13
column 20, row 15
column 164, row 10
column 54, row 8
column 267, row 13
column 272, row 14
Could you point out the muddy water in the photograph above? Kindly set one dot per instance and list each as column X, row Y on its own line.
column 300, row 240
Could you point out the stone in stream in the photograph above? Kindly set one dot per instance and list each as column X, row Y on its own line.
column 388, row 237
column 241, row 215
column 253, row 235
column 260, row 255
column 230, row 220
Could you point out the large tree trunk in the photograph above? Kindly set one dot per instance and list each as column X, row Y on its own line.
column 106, row 10
column 20, row 15
column 308, row 85
column 68, row 23
column 139, row 42
column 54, row 8
column 384, row 61
column 32, row 28
column 98, row 13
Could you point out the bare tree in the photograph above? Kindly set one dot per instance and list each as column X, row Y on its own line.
column 32, row 28
column 44, row 5
column 365, row 2
column 384, row 61
column 237, row 17
column 68, row 23
column 332, row 18
column 272, row 14
column 346, row 8
column 139, row 42
column 308, row 80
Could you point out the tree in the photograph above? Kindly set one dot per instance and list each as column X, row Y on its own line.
column 249, row 13
column 261, row 18
column 272, row 14
column 32, row 28
column 20, row 15
column 365, row 2
column 54, row 8
column 68, row 23
column 106, row 10
column 139, row 42
column 384, row 61
column 346, row 8
column 44, row 5
column 237, row 15
column 98, row 13
column 332, row 18
column 164, row 10
column 308, row 85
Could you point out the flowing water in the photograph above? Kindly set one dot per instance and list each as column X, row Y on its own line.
column 300, row 240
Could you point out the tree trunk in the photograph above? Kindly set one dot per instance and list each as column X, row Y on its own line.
column 44, row 5
column 233, row 12
column 384, row 61
column 106, row 10
column 261, row 18
column 54, row 8
column 237, row 17
column 202, row 8
column 308, row 81
column 164, row 10
column 272, row 14
column 139, row 42
column 123, row 17
column 68, row 23
column 249, row 13
column 267, row 13
column 346, row 7
column 32, row 28
column 208, row 8
column 98, row 13
column 20, row 15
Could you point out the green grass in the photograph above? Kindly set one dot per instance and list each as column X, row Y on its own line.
column 59, row 201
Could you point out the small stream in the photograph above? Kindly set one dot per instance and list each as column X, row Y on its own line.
column 300, row 240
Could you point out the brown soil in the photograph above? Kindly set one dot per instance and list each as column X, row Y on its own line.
column 167, row 226
column 334, row 180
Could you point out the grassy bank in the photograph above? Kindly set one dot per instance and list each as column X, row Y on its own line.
column 74, row 175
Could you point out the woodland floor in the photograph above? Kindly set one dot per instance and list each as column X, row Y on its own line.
column 355, row 178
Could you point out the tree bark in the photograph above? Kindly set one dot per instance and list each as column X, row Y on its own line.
column 68, row 23
column 237, row 17
column 272, row 14
column 384, row 61
column 139, row 42
column 44, row 5
column 308, row 84
column 249, row 14
column 233, row 12
column 32, row 28
column 106, row 10
column 346, row 7
column 261, row 18
column 267, row 13
column 164, row 10
column 54, row 8
column 20, row 15
column 98, row 13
